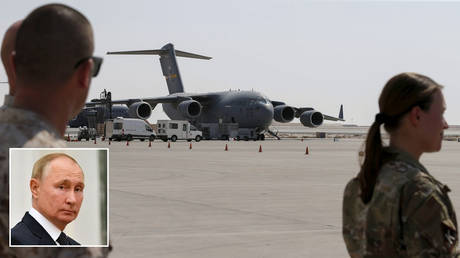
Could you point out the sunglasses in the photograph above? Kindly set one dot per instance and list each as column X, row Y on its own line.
column 97, row 61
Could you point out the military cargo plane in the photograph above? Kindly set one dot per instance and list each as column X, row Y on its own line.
column 248, row 109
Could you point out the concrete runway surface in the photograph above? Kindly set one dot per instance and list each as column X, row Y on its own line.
column 207, row 202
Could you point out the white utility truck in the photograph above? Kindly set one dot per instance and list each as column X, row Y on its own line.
column 177, row 130
column 128, row 129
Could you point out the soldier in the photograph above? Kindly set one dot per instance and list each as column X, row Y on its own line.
column 8, row 43
column 395, row 207
column 53, row 66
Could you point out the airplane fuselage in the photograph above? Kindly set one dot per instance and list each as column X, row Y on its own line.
column 250, row 109
column 102, row 114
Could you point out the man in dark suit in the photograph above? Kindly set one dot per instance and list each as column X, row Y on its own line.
column 57, row 193
column 29, row 232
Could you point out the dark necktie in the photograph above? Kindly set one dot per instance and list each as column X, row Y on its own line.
column 62, row 239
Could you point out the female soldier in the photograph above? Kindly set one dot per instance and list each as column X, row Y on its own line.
column 394, row 207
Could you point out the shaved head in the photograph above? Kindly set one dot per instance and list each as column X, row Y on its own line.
column 50, row 43
column 9, row 41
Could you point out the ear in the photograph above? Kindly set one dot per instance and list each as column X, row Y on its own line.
column 414, row 116
column 84, row 74
column 34, row 187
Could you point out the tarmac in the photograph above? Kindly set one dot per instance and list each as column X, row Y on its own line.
column 208, row 202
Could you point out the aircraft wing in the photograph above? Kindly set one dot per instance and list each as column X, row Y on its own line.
column 331, row 118
column 152, row 101
column 202, row 98
column 299, row 111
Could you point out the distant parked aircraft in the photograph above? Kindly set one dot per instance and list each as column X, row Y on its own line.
column 249, row 109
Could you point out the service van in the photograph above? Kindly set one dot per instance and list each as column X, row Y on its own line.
column 177, row 130
column 128, row 129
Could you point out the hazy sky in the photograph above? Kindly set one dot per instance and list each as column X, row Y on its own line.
column 306, row 53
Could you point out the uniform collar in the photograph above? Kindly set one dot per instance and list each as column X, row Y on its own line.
column 406, row 157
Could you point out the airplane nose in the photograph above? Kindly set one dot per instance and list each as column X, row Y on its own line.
column 265, row 114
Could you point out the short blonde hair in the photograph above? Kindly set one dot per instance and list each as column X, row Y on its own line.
column 41, row 164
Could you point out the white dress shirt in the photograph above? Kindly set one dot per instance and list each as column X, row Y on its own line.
column 52, row 230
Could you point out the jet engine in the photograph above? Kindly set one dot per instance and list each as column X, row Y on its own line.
column 140, row 109
column 311, row 118
column 190, row 108
column 283, row 113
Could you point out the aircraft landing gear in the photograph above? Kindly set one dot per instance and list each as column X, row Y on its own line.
column 261, row 137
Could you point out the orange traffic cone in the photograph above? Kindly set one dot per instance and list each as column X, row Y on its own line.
column 306, row 151
column 260, row 148
column 190, row 146
column 226, row 147
column 150, row 143
column 169, row 145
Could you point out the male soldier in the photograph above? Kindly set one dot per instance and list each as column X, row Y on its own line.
column 53, row 65
column 8, row 43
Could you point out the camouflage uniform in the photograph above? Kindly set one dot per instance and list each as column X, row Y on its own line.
column 22, row 128
column 409, row 215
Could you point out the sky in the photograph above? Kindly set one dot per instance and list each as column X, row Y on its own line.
column 306, row 53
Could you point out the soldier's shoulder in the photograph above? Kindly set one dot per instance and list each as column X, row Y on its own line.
column 353, row 219
column 352, row 187
column 399, row 171
column 14, row 134
column 352, row 203
column 45, row 139
column 403, row 174
column 352, row 183
column 422, row 185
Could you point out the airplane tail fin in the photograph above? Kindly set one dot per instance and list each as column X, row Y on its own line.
column 168, row 63
column 341, row 112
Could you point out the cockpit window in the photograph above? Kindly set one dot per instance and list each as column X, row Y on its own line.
column 257, row 100
column 262, row 100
